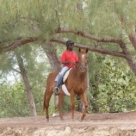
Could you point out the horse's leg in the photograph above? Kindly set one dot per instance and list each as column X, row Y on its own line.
column 72, row 96
column 46, row 103
column 84, row 100
column 60, row 101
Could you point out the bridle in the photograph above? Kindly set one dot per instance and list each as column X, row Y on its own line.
column 82, row 64
column 82, row 69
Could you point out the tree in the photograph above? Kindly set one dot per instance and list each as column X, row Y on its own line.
column 26, row 68
column 105, row 27
column 59, row 24
column 27, row 85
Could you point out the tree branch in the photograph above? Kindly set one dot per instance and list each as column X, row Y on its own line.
column 88, row 36
column 97, row 39
column 17, row 43
column 132, row 37
column 22, row 41
column 16, row 70
column 98, row 50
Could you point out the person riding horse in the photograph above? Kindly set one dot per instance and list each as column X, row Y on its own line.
column 76, row 82
column 69, row 58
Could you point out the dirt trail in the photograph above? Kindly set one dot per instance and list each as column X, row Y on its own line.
column 107, row 124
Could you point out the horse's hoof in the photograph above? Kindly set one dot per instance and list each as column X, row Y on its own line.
column 61, row 119
column 73, row 120
column 82, row 118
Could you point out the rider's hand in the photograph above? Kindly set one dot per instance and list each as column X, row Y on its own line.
column 73, row 63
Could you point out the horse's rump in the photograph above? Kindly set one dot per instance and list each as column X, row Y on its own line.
column 50, row 83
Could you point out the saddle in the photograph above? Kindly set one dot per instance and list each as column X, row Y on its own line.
column 66, row 75
column 64, row 88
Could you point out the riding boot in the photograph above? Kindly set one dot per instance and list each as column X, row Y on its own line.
column 58, row 83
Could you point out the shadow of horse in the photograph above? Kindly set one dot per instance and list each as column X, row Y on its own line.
column 76, row 84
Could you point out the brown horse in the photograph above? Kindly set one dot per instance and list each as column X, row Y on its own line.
column 76, row 84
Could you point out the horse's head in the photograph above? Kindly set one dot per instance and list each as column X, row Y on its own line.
column 83, row 59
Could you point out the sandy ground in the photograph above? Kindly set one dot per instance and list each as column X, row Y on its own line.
column 106, row 124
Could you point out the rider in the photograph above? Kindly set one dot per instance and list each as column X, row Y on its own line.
column 69, row 58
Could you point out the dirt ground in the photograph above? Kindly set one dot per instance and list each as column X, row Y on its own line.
column 106, row 124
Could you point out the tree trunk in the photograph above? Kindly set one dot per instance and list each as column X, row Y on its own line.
column 131, row 63
column 52, row 57
column 27, row 85
column 132, row 37
column 53, row 60
column 129, row 59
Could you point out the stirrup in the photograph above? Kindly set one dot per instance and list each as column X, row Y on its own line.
column 56, row 90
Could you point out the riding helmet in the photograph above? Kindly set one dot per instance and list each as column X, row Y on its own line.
column 68, row 42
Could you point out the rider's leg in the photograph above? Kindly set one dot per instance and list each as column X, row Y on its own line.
column 59, row 78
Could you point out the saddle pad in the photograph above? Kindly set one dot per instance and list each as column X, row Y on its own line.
column 66, row 75
column 64, row 88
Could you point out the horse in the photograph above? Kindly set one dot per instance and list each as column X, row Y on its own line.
column 76, row 84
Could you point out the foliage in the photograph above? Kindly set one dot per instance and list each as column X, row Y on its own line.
column 116, row 91
column 36, row 71
column 13, row 101
column 116, row 86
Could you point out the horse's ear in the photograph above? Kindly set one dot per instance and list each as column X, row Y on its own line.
column 86, row 50
column 79, row 50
